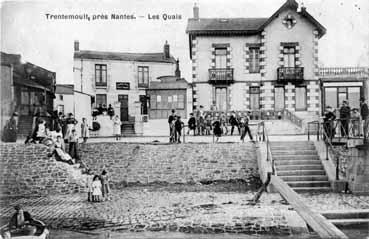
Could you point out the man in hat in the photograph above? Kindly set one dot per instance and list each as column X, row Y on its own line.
column 364, row 112
column 345, row 118
column 20, row 223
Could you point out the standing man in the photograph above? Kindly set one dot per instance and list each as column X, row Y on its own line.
column 171, row 119
column 234, row 122
column 245, row 127
column 364, row 112
column 345, row 118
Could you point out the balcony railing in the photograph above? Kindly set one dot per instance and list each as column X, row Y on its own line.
column 343, row 71
column 221, row 76
column 100, row 84
column 290, row 74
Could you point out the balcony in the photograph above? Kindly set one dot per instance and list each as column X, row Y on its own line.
column 293, row 75
column 101, row 84
column 221, row 76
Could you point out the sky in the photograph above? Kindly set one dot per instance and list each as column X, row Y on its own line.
column 48, row 43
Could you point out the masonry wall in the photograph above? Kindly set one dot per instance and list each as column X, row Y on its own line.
column 28, row 170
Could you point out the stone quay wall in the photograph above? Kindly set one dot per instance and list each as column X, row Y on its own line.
column 26, row 170
column 172, row 163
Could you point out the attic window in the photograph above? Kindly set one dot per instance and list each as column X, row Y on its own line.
column 223, row 20
column 289, row 21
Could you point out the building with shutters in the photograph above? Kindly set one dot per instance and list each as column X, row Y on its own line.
column 258, row 64
column 120, row 79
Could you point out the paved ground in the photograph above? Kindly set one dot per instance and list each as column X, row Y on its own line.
column 177, row 209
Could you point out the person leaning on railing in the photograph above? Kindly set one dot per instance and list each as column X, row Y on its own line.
column 364, row 112
column 328, row 119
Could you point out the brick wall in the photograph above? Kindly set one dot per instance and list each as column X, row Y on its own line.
column 27, row 169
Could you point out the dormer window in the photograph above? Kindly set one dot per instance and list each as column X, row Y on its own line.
column 289, row 21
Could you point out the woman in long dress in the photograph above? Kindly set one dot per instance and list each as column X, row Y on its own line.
column 85, row 130
column 116, row 127
column 105, row 185
column 96, row 189
column 71, row 123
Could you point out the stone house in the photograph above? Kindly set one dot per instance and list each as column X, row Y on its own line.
column 120, row 79
column 258, row 64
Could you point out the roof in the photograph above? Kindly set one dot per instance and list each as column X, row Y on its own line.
column 64, row 89
column 123, row 56
column 244, row 26
column 10, row 58
column 204, row 25
column 168, row 82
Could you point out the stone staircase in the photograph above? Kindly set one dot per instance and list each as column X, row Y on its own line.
column 24, row 126
column 128, row 129
column 298, row 164
column 282, row 127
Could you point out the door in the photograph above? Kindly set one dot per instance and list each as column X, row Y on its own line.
column 300, row 98
column 123, row 99
column 143, row 101
column 254, row 98
column 279, row 98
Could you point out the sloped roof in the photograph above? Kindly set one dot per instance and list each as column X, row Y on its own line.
column 168, row 82
column 122, row 56
column 64, row 89
column 203, row 25
column 10, row 58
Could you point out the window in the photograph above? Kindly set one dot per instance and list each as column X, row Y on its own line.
column 60, row 97
column 61, row 108
column 181, row 103
column 153, row 102
column 331, row 97
column 143, row 76
column 100, row 75
column 143, row 100
column 300, row 98
column 158, row 102
column 220, row 58
column 100, row 99
column 254, row 66
column 221, row 98
column 255, row 98
column 175, row 101
column 289, row 56
column 278, row 98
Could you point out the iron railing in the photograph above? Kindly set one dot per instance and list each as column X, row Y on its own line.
column 221, row 76
column 290, row 74
column 292, row 117
column 343, row 71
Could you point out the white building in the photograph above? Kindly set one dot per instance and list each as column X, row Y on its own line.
column 64, row 99
column 120, row 79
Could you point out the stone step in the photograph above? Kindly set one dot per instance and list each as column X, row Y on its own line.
column 305, row 178
column 294, row 152
column 311, row 189
column 297, row 162
column 299, row 167
column 289, row 143
column 296, row 184
column 295, row 157
column 301, row 172
column 346, row 214
column 350, row 222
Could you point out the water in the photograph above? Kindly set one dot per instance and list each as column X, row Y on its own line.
column 353, row 233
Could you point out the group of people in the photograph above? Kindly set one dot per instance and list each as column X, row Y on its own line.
column 201, row 124
column 351, row 122
column 98, row 187
column 103, row 110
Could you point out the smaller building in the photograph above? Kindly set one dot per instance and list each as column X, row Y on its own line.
column 64, row 98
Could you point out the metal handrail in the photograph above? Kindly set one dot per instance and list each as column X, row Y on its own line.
column 267, row 141
column 292, row 117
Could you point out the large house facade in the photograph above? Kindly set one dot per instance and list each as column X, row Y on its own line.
column 258, row 64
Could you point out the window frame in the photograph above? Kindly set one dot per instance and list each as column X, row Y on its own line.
column 106, row 99
column 220, row 58
column 254, row 60
column 100, row 71
column 143, row 76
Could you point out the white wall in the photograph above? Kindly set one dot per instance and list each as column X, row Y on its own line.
column 82, row 105
column 67, row 102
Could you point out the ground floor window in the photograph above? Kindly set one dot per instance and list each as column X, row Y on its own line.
column 333, row 96
column 221, row 98
column 278, row 98
column 300, row 98
column 255, row 98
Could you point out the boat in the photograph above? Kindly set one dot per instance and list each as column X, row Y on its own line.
column 41, row 233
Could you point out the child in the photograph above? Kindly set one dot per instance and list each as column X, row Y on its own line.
column 217, row 130
column 105, row 185
column 191, row 124
column 117, row 127
column 96, row 189
column 178, row 125
column 208, row 125
column 89, row 181
column 85, row 133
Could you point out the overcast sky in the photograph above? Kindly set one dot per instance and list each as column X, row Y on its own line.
column 49, row 43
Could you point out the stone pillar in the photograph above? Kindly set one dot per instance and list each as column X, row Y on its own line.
column 358, row 170
column 194, row 72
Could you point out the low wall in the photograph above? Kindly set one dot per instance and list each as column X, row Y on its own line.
column 28, row 170
column 173, row 163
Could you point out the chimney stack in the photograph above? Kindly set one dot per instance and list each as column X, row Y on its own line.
column 166, row 50
column 196, row 12
column 178, row 72
column 76, row 45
